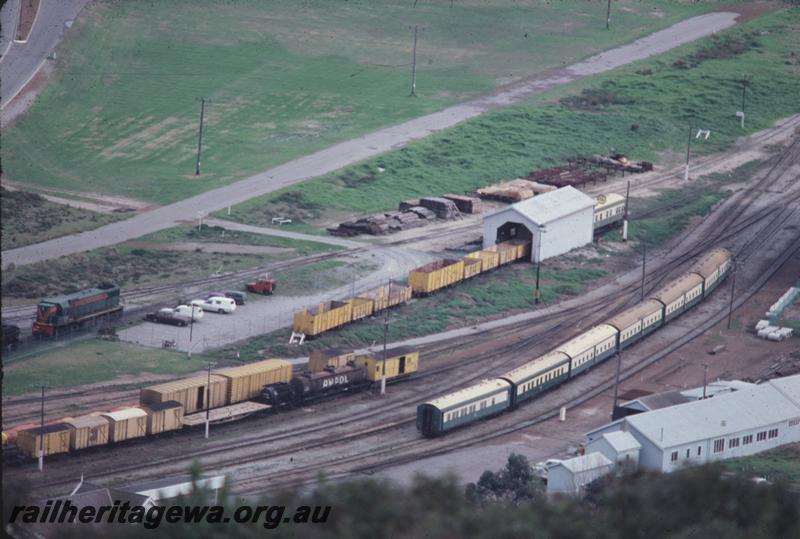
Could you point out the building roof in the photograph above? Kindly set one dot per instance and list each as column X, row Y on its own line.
column 584, row 463
column 656, row 401
column 747, row 409
column 551, row 206
column 622, row 441
column 485, row 387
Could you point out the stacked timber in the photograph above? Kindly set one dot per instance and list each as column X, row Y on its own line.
column 442, row 207
column 465, row 204
column 406, row 205
column 512, row 191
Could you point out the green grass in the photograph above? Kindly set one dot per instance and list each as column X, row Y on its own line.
column 781, row 464
column 283, row 79
column 312, row 277
column 507, row 290
column 28, row 218
column 658, row 101
column 215, row 234
column 93, row 361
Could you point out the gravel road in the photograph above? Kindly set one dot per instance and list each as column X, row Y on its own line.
column 355, row 150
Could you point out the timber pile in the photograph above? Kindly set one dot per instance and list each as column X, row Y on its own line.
column 442, row 207
column 379, row 224
column 465, row 204
column 566, row 175
column 513, row 191
column 617, row 162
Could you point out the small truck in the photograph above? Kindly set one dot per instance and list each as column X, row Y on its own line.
column 263, row 285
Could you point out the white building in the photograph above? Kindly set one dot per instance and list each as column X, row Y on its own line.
column 736, row 424
column 554, row 223
column 619, row 447
column 571, row 476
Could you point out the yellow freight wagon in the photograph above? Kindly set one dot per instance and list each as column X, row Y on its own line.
column 87, row 431
column 489, row 259
column 322, row 318
column 247, row 381
column 399, row 362
column 472, row 267
column 336, row 358
column 190, row 392
column 361, row 307
column 54, row 439
column 436, row 275
column 507, row 253
column 126, row 424
column 164, row 417
column 523, row 248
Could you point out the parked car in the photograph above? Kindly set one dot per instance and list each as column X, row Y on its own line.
column 239, row 297
column 217, row 304
column 262, row 285
column 186, row 310
column 167, row 316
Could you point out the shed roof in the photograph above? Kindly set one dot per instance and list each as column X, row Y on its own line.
column 584, row 341
column 585, row 463
column 629, row 317
column 486, row 387
column 674, row 290
column 622, row 441
column 551, row 206
column 747, row 409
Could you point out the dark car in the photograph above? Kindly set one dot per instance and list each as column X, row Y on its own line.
column 239, row 297
column 167, row 316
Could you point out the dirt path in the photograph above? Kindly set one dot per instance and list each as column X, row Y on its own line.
column 353, row 151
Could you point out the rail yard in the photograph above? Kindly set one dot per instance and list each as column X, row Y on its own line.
column 437, row 328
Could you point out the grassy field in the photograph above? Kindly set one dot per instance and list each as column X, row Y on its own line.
column 88, row 362
column 507, row 290
column 781, row 464
column 283, row 79
column 28, row 218
column 643, row 110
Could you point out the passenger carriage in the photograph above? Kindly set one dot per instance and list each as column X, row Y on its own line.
column 538, row 376
column 637, row 322
column 590, row 348
column 463, row 407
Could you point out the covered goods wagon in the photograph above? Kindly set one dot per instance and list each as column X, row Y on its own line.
column 333, row 357
column 163, row 417
column 247, row 381
column 126, row 424
column 53, row 439
column 87, row 431
column 192, row 393
column 399, row 361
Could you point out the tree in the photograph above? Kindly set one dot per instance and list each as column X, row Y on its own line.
column 515, row 483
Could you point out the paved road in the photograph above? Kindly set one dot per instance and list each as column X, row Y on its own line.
column 22, row 60
column 353, row 151
column 9, row 17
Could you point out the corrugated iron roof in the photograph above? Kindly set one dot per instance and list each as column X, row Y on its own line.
column 622, row 441
column 551, row 206
column 585, row 463
column 744, row 410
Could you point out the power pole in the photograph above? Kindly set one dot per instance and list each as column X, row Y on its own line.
column 200, row 135
column 733, row 288
column 538, row 291
column 705, row 379
column 616, row 384
column 644, row 260
column 745, row 82
column 41, row 437
column 608, row 16
column 383, row 363
column 625, row 220
column 191, row 329
column 208, row 398
column 688, row 148
column 414, row 66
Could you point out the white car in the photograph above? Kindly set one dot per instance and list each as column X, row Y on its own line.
column 185, row 310
column 216, row 304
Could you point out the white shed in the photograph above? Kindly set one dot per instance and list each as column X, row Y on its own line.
column 571, row 476
column 620, row 447
column 554, row 223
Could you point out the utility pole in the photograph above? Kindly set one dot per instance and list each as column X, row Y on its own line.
column 616, row 384
column 414, row 66
column 208, row 398
column 733, row 288
column 745, row 82
column 200, row 135
column 538, row 294
column 383, row 363
column 191, row 329
column 705, row 379
column 644, row 261
column 41, row 437
column 688, row 148
column 625, row 220
column 608, row 16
